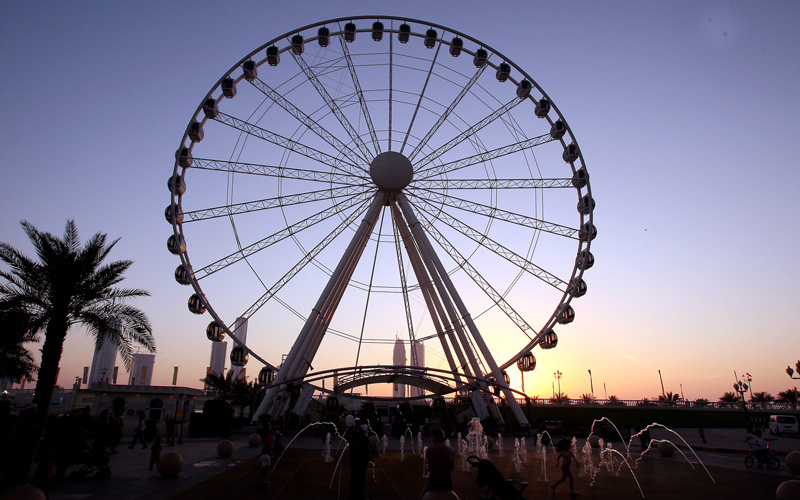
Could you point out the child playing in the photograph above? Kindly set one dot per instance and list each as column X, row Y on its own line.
column 566, row 457
column 266, row 464
column 155, row 453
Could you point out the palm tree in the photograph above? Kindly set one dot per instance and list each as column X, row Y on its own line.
column 729, row 397
column 613, row 400
column 762, row 397
column 222, row 384
column 71, row 285
column 791, row 396
column 18, row 363
column 669, row 398
column 587, row 398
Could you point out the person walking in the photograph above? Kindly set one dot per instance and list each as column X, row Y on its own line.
column 702, row 433
column 138, row 432
column 155, row 453
column 358, row 444
column 266, row 463
column 565, row 456
column 440, row 461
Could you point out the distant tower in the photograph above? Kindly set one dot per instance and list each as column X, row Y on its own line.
column 418, row 359
column 142, row 369
column 399, row 358
column 218, row 352
column 240, row 330
column 106, row 356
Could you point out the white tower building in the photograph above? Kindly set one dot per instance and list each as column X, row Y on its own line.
column 219, row 351
column 104, row 359
column 418, row 360
column 399, row 358
column 142, row 369
column 240, row 330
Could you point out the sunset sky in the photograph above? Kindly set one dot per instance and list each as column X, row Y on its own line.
column 686, row 113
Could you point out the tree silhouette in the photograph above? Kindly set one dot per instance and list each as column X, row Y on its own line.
column 15, row 331
column 729, row 397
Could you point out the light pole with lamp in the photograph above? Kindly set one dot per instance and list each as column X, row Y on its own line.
column 741, row 388
column 558, row 376
column 790, row 372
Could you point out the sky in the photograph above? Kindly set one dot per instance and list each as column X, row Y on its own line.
column 686, row 113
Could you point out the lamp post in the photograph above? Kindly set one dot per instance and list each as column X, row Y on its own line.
column 558, row 376
column 591, row 383
column 790, row 372
column 741, row 388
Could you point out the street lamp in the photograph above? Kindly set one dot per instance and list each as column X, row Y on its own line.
column 790, row 372
column 741, row 387
column 558, row 376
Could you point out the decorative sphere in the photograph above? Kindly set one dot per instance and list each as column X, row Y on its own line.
column 666, row 449
column 440, row 495
column 254, row 440
column 788, row 490
column 391, row 171
column 373, row 441
column 170, row 464
column 349, row 421
column 225, row 448
column 594, row 441
column 793, row 461
column 23, row 492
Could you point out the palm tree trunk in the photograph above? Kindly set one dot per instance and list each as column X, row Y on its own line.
column 52, row 349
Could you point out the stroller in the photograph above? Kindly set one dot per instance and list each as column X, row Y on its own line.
column 499, row 487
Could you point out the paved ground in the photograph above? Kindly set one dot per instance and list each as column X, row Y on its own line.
column 302, row 473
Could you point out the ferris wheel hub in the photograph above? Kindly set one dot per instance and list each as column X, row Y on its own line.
column 391, row 171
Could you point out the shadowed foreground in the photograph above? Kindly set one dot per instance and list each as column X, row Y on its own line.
column 302, row 473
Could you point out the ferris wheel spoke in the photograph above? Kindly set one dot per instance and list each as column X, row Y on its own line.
column 448, row 184
column 451, row 166
column 404, row 286
column 433, row 196
column 490, row 244
column 268, row 203
column 419, row 102
column 282, row 235
column 361, row 100
column 466, row 134
column 339, row 164
column 331, row 102
column 305, row 260
column 463, row 263
column 275, row 171
column 303, row 118
column 446, row 114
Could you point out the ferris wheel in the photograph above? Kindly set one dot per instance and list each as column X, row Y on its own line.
column 365, row 181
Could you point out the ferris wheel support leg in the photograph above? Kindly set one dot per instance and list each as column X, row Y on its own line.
column 428, row 257
column 276, row 399
column 429, row 295
column 425, row 244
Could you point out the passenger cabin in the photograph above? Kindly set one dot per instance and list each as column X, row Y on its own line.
column 585, row 204
column 173, row 214
column 239, row 356
column 195, row 131
column 571, row 153
column 456, row 45
column 430, row 38
column 584, row 260
column 250, row 71
column 404, row 33
column 273, row 56
column 176, row 244
column 566, row 314
column 184, row 157
column 266, row 375
column 580, row 178
column 210, row 108
column 349, row 32
column 215, row 332
column 196, row 304
column 587, row 232
column 558, row 129
column 542, row 107
column 524, row 89
column 377, row 31
column 324, row 36
column 229, row 88
column 549, row 340
column 527, row 362
column 577, row 287
column 297, row 44
column 480, row 58
column 502, row 72
column 176, row 184
column 182, row 275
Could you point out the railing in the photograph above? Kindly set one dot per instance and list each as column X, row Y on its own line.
column 651, row 403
